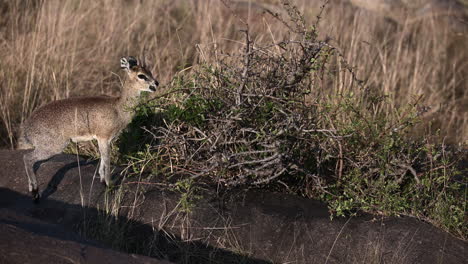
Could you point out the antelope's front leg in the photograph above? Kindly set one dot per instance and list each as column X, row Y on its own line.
column 104, row 166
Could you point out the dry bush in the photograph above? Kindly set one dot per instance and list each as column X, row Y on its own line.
column 288, row 111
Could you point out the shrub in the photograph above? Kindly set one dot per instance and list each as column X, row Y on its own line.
column 263, row 119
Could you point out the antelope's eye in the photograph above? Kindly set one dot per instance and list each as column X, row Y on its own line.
column 142, row 76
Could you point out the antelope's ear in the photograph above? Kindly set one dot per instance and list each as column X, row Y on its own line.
column 128, row 63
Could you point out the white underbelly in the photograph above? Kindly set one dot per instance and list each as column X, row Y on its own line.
column 83, row 138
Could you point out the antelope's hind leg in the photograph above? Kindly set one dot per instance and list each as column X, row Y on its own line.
column 30, row 160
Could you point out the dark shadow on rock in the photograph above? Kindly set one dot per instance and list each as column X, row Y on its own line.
column 25, row 239
column 134, row 234
column 58, row 176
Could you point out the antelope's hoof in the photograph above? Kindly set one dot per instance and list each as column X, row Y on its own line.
column 35, row 195
column 103, row 182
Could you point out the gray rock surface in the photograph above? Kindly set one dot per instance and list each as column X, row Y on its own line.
column 240, row 225
column 450, row 12
column 24, row 239
column 383, row 6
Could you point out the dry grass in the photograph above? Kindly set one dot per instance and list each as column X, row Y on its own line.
column 69, row 48
column 417, row 58
column 59, row 49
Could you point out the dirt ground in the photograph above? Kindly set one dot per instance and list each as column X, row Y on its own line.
column 236, row 227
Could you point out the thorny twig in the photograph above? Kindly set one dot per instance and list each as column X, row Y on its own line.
column 247, row 57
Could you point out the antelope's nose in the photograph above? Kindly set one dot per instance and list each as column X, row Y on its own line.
column 154, row 85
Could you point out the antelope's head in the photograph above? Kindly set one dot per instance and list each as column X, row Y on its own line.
column 141, row 78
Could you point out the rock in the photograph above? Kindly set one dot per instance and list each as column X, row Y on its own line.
column 416, row 6
column 239, row 226
column 449, row 12
column 28, row 240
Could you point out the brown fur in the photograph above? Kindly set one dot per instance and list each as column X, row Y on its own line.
column 50, row 128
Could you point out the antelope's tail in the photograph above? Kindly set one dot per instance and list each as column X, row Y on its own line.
column 23, row 141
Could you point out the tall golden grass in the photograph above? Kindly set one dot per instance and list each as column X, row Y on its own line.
column 56, row 49
column 419, row 58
